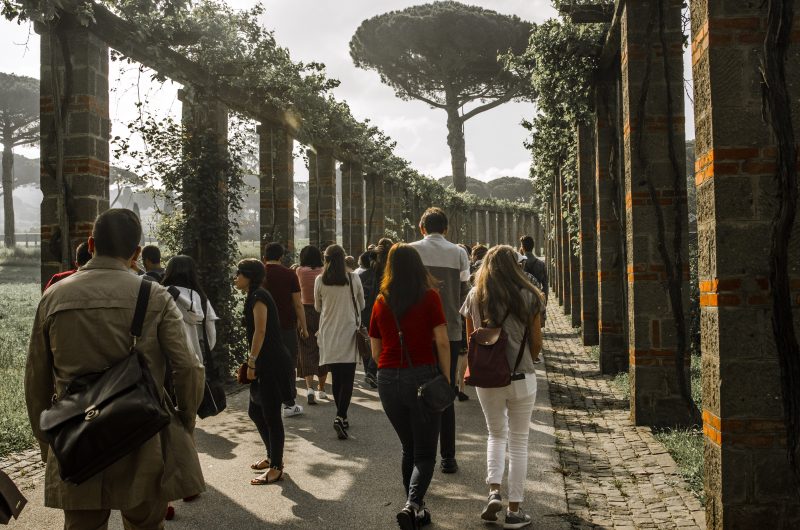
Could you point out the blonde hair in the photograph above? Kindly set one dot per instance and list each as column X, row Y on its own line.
column 498, row 285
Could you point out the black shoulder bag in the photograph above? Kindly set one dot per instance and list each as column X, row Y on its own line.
column 436, row 394
column 11, row 500
column 105, row 416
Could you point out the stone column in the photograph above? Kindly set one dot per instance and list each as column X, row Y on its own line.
column 501, row 228
column 610, row 262
column 588, row 260
column 748, row 479
column 326, row 174
column 655, row 212
column 85, row 141
column 487, row 232
column 557, row 277
column 276, row 192
column 375, row 213
column 493, row 233
column 353, row 208
column 566, row 246
column 313, row 198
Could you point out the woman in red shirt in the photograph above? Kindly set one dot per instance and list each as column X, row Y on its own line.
column 408, row 296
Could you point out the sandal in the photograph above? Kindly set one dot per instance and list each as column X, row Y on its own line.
column 260, row 465
column 258, row 481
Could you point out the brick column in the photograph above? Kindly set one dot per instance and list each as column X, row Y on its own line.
column 87, row 132
column 375, row 213
column 610, row 262
column 486, row 229
column 588, row 260
column 655, row 196
column 326, row 174
column 556, row 277
column 748, row 480
column 566, row 246
column 353, row 208
column 493, row 233
column 502, row 229
column 313, row 198
column 276, row 192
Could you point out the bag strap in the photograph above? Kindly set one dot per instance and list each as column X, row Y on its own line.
column 521, row 350
column 353, row 298
column 141, row 309
column 208, row 357
column 400, row 336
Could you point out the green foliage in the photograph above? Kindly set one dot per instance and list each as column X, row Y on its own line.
column 560, row 61
column 437, row 51
column 19, row 110
column 16, row 317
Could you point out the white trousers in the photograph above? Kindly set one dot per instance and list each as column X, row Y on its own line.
column 508, row 419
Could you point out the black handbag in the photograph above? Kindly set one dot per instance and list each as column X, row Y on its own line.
column 11, row 500
column 105, row 416
column 214, row 398
column 436, row 394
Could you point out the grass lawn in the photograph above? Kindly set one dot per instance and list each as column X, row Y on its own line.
column 19, row 292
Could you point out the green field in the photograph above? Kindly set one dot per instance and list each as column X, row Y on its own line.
column 19, row 293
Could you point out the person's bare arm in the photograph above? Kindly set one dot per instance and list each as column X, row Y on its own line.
column 535, row 336
column 376, row 345
column 443, row 350
column 259, row 335
column 302, row 328
column 470, row 328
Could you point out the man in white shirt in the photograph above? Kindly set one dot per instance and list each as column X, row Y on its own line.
column 449, row 264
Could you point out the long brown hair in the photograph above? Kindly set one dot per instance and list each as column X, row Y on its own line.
column 335, row 272
column 405, row 279
column 498, row 286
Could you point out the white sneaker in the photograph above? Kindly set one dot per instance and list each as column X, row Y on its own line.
column 321, row 394
column 292, row 411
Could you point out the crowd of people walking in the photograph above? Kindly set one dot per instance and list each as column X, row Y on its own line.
column 423, row 318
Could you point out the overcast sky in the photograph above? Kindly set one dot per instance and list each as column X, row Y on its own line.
column 320, row 30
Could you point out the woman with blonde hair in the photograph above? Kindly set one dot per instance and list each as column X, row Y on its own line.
column 503, row 297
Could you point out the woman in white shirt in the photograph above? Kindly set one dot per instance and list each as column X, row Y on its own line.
column 339, row 298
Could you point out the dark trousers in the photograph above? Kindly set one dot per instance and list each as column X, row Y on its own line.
column 265, row 411
column 343, row 375
column 289, row 339
column 447, row 441
column 418, row 430
column 371, row 367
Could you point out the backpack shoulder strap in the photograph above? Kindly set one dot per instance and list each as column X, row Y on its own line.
column 141, row 309
column 173, row 292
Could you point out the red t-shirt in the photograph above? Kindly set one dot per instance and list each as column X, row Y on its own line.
column 417, row 324
column 281, row 282
column 57, row 277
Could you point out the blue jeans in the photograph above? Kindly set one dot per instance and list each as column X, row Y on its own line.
column 447, row 444
column 418, row 431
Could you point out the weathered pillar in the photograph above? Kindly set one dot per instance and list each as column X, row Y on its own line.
column 557, row 277
column 313, row 198
column 655, row 211
column 748, row 479
column 588, row 224
column 85, row 141
column 375, row 212
column 486, row 228
column 388, row 204
column 566, row 245
column 276, row 176
column 493, row 240
column 501, row 227
column 353, row 208
column 610, row 262
column 326, row 180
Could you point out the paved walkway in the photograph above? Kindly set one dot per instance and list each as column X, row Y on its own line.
column 589, row 467
column 616, row 475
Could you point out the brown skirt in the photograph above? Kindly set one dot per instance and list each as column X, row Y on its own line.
column 308, row 349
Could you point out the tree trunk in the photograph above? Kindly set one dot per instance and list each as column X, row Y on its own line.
column 458, row 155
column 8, row 195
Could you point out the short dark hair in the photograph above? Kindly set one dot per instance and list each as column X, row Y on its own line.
column 152, row 253
column 310, row 256
column 273, row 251
column 365, row 259
column 82, row 254
column 253, row 270
column 117, row 233
column 527, row 243
column 434, row 221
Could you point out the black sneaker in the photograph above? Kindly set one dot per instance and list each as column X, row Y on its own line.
column 518, row 519
column 338, row 426
column 449, row 465
column 345, row 423
column 370, row 380
column 463, row 397
column 407, row 518
column 423, row 516
column 494, row 505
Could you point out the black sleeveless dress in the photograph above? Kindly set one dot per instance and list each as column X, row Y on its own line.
column 273, row 366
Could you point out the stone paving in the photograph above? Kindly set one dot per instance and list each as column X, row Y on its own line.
column 616, row 474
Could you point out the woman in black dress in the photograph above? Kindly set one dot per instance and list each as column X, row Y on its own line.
column 268, row 368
